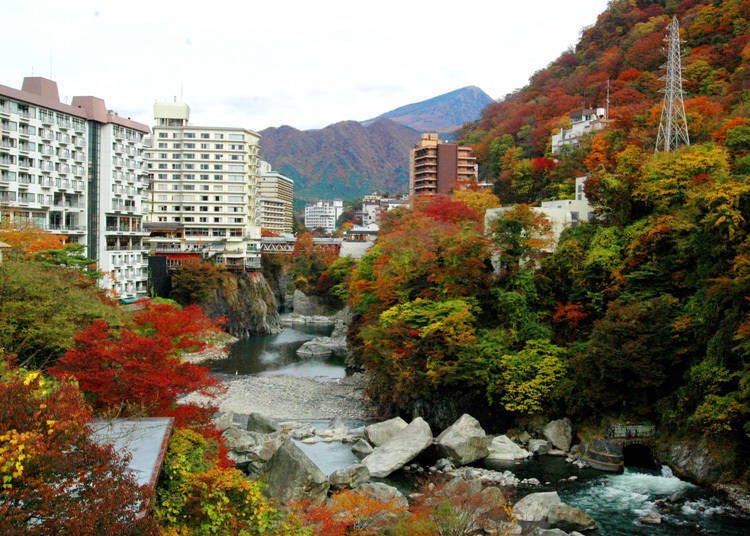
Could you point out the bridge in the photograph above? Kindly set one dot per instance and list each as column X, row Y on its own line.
column 608, row 453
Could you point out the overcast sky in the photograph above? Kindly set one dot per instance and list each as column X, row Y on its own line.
column 304, row 63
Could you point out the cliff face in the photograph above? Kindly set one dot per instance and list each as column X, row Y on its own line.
column 248, row 302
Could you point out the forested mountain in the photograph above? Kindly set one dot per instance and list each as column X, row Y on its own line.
column 345, row 160
column 642, row 315
column 444, row 114
column 351, row 159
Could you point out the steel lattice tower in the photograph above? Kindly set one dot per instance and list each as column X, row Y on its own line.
column 673, row 129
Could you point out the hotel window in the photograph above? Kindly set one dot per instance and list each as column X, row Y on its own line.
column 236, row 137
column 218, row 146
column 218, row 166
column 189, row 135
column 219, row 136
column 205, row 135
column 163, row 155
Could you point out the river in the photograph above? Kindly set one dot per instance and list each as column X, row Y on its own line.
column 617, row 502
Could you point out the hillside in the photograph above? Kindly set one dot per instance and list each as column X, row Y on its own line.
column 444, row 114
column 351, row 159
column 346, row 160
column 624, row 47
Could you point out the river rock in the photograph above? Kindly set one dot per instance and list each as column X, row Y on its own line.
column 503, row 449
column 305, row 305
column 694, row 462
column 559, row 433
column 399, row 449
column 535, row 507
column 651, row 518
column 538, row 447
column 465, row 441
column 383, row 493
column 292, row 476
column 260, row 423
column 538, row 531
column 380, row 432
column 349, row 477
column 362, row 448
column 505, row 479
column 563, row 516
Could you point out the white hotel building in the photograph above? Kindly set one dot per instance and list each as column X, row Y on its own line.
column 203, row 195
column 275, row 200
column 76, row 170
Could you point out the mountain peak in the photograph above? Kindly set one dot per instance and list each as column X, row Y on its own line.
column 445, row 113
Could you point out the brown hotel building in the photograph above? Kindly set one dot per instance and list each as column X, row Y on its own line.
column 437, row 165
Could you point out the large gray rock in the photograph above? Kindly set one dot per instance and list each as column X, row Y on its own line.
column 362, row 448
column 464, row 441
column 349, row 477
column 399, row 449
column 694, row 462
column 503, row 448
column 323, row 347
column 538, row 446
column 559, row 433
column 535, row 507
column 292, row 476
column 260, row 423
column 563, row 516
column 378, row 433
column 538, row 531
column 305, row 305
column 383, row 493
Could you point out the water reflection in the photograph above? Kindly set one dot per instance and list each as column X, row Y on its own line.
column 277, row 355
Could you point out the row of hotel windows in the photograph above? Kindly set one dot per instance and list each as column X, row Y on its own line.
column 46, row 133
column 216, row 167
column 46, row 116
column 46, row 150
column 232, row 146
column 48, row 182
column 204, row 187
column 191, row 219
column 204, row 156
column 201, row 208
column 204, row 135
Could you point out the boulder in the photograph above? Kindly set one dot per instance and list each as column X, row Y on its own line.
column 464, row 441
column 559, row 433
column 349, row 477
column 362, row 448
column 292, row 476
column 501, row 449
column 383, row 493
column 538, row 531
column 535, row 507
column 694, row 462
column 317, row 347
column 260, row 423
column 563, row 516
column 305, row 305
column 399, row 449
column 378, row 433
column 651, row 518
column 538, row 447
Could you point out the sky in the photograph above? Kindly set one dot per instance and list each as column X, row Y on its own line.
column 304, row 63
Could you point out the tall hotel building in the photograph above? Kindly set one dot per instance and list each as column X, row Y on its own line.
column 76, row 170
column 202, row 197
column 435, row 166
column 275, row 200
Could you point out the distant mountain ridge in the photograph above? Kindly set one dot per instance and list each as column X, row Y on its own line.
column 444, row 114
column 350, row 159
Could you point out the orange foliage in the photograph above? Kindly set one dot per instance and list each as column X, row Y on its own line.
column 27, row 238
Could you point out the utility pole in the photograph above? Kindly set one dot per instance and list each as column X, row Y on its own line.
column 673, row 129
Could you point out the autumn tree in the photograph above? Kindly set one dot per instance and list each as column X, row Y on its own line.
column 194, row 281
column 55, row 480
column 43, row 307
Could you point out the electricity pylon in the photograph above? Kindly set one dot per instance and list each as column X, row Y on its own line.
column 673, row 129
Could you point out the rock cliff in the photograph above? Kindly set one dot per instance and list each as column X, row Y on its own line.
column 249, row 304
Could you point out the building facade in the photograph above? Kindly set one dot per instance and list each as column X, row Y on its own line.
column 202, row 196
column 323, row 215
column 275, row 200
column 582, row 122
column 76, row 170
column 436, row 166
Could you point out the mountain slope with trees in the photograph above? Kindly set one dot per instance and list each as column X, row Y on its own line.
column 643, row 314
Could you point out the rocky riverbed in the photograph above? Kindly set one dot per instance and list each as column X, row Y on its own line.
column 293, row 398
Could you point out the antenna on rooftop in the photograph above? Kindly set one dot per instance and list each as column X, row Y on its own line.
column 673, row 129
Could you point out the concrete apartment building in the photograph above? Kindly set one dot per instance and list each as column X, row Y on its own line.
column 275, row 200
column 436, row 165
column 202, row 197
column 323, row 215
column 582, row 122
column 76, row 170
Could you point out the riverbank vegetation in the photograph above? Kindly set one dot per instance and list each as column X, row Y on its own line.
column 641, row 314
